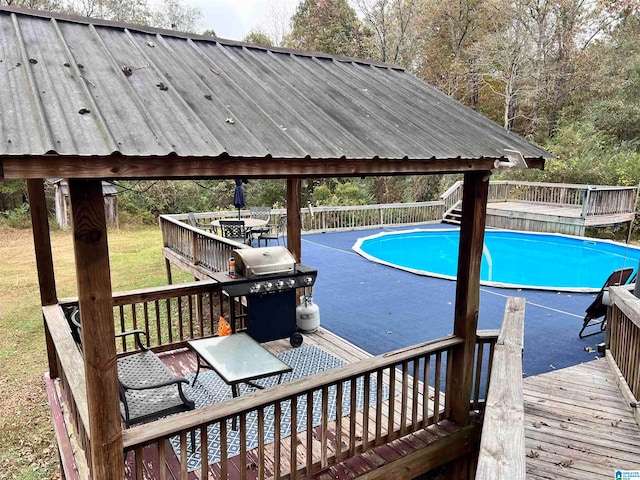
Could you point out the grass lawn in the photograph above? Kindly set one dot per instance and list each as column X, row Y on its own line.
column 27, row 444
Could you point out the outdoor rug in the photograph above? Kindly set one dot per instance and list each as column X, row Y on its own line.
column 306, row 360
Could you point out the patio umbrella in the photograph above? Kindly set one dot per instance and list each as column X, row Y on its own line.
column 238, row 196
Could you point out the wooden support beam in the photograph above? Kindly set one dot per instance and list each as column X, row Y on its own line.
column 96, row 311
column 233, row 167
column 294, row 223
column 42, row 241
column 474, row 211
column 44, row 259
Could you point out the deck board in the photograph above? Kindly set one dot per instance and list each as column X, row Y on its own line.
column 577, row 424
column 183, row 363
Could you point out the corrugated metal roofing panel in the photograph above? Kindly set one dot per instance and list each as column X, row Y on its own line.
column 84, row 87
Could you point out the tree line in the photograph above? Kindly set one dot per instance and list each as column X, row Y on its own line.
column 564, row 74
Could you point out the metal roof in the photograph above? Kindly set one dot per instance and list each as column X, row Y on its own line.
column 78, row 87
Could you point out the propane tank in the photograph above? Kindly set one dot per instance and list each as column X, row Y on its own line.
column 307, row 314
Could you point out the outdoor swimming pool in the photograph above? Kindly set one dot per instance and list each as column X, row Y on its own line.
column 510, row 259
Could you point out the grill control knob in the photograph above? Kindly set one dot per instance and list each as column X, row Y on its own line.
column 308, row 280
column 255, row 288
column 279, row 284
column 268, row 286
column 291, row 283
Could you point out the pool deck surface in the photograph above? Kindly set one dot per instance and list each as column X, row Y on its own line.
column 380, row 308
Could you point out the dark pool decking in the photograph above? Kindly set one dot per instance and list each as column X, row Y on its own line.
column 379, row 308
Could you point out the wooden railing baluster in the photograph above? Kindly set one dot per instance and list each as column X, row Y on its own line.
column 401, row 404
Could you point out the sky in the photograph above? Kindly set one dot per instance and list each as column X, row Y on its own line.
column 233, row 19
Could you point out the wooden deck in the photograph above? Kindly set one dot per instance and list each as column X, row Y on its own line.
column 577, row 424
column 408, row 448
column 547, row 217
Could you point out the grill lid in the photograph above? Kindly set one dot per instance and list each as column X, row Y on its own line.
column 253, row 262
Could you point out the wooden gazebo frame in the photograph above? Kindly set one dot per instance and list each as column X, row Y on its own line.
column 40, row 147
column 95, row 294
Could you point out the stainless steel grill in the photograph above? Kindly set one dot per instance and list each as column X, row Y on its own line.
column 268, row 277
column 257, row 262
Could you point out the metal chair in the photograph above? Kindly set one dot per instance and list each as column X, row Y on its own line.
column 596, row 312
column 148, row 389
column 275, row 232
column 260, row 213
column 235, row 230
column 194, row 222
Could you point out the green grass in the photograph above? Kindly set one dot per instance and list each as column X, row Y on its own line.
column 27, row 444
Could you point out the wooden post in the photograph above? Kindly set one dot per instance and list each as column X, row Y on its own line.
column 294, row 224
column 44, row 259
column 98, row 342
column 474, row 210
column 167, row 264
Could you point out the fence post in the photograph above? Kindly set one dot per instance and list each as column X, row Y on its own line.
column 194, row 247
column 585, row 202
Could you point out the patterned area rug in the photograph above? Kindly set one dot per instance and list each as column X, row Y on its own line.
column 306, row 360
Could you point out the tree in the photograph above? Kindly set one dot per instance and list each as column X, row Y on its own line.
column 168, row 14
column 49, row 5
column 448, row 60
column 505, row 63
column 330, row 26
column 396, row 38
column 176, row 15
column 276, row 22
column 259, row 38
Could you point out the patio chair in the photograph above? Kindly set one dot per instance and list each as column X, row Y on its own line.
column 235, row 230
column 596, row 312
column 194, row 222
column 260, row 213
column 148, row 389
column 275, row 232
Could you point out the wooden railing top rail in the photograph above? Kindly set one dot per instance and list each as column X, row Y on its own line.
column 563, row 185
column 151, row 294
column 502, row 447
column 627, row 302
column 150, row 432
column 451, row 190
column 70, row 359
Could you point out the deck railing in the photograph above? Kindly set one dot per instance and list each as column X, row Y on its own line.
column 502, row 448
column 593, row 199
column 211, row 251
column 395, row 401
column 71, row 376
column 198, row 246
column 452, row 198
column 400, row 392
column 623, row 342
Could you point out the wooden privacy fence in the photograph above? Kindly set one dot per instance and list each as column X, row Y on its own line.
column 623, row 343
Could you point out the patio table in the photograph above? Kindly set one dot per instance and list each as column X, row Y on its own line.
column 237, row 358
column 249, row 223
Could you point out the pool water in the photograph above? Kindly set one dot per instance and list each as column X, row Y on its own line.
column 510, row 259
